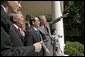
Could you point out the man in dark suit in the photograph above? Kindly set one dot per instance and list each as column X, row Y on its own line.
column 11, row 45
column 18, row 22
column 33, row 35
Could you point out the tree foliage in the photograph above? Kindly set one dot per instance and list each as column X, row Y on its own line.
column 74, row 23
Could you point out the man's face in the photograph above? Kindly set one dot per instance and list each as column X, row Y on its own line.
column 36, row 22
column 20, row 21
column 43, row 20
column 14, row 6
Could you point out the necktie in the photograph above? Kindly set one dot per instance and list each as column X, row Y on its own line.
column 46, row 30
column 38, row 34
column 21, row 32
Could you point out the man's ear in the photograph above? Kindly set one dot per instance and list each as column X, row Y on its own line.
column 14, row 19
column 8, row 1
column 33, row 22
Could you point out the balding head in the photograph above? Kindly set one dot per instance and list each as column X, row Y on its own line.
column 11, row 6
column 17, row 19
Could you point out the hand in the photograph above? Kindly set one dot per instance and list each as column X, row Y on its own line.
column 65, row 15
column 37, row 46
column 47, row 51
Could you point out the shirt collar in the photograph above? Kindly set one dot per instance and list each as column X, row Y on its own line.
column 35, row 28
column 4, row 8
column 16, row 26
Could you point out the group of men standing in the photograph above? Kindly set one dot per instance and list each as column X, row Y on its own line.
column 15, row 40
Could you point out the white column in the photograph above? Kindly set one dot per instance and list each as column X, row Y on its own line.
column 56, row 11
column 62, row 6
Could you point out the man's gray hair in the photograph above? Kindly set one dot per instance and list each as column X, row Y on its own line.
column 40, row 17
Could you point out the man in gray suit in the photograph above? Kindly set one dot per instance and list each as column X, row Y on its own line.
column 46, row 34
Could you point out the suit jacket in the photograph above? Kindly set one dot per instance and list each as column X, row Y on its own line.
column 47, row 37
column 18, row 33
column 32, row 37
column 43, row 32
column 11, row 44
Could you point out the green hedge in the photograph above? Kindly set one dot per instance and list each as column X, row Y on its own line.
column 74, row 49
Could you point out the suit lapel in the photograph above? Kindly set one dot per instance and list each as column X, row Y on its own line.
column 42, row 30
column 35, row 34
column 48, row 29
column 17, row 32
column 5, row 22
